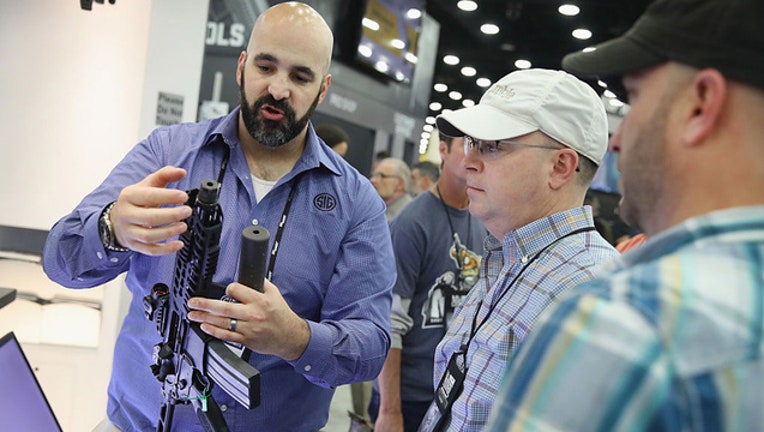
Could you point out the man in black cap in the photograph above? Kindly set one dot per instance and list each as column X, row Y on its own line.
column 672, row 338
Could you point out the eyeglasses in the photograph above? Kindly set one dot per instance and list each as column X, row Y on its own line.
column 489, row 149
column 383, row 176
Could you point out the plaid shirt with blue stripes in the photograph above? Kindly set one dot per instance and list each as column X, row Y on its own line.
column 671, row 339
column 540, row 261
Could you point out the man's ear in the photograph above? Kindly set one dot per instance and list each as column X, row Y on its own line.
column 442, row 148
column 240, row 66
column 402, row 184
column 564, row 166
column 707, row 93
column 327, row 81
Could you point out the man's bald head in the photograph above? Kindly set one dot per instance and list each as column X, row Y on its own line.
column 295, row 20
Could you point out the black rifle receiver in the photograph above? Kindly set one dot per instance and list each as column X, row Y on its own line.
column 188, row 361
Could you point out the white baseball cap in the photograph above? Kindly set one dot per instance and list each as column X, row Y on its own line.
column 551, row 101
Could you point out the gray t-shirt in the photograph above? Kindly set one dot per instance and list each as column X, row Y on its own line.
column 426, row 257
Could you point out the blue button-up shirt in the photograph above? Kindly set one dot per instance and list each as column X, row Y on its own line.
column 335, row 268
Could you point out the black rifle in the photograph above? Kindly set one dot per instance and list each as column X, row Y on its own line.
column 188, row 361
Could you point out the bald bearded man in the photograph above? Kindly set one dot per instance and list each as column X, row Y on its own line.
column 323, row 318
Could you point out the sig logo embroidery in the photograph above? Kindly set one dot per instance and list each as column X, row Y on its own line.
column 324, row 202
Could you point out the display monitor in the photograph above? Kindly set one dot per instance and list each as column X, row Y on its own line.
column 23, row 405
column 389, row 34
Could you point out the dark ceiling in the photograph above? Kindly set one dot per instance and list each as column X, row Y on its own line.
column 533, row 30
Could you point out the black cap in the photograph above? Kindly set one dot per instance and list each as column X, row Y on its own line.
column 726, row 35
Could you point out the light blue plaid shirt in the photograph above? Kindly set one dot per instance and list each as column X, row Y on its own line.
column 567, row 251
column 672, row 339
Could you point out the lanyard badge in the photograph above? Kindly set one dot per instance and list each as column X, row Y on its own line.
column 452, row 383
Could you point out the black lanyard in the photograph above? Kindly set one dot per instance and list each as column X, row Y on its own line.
column 454, row 234
column 223, row 165
column 475, row 327
column 280, row 230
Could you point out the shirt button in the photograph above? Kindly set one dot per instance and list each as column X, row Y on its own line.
column 524, row 259
column 307, row 368
column 114, row 260
column 255, row 221
column 99, row 255
column 223, row 407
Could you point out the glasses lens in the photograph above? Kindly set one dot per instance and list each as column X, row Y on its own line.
column 469, row 144
column 482, row 148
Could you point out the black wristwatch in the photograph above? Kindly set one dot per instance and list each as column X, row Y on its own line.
column 106, row 232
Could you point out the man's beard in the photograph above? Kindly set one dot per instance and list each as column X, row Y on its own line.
column 643, row 179
column 272, row 133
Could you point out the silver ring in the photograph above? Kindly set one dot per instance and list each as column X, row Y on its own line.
column 232, row 325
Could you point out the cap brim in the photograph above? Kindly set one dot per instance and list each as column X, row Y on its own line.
column 482, row 122
column 611, row 60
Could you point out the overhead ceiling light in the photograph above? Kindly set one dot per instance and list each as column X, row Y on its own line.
column 489, row 29
column 455, row 95
column 522, row 64
column 451, row 59
column 397, row 43
column 411, row 58
column 483, row 82
column 469, row 71
column 582, row 34
column 413, row 13
column 601, row 83
column 440, row 87
column 435, row 106
column 615, row 103
column 428, row 128
column 365, row 50
column 569, row 10
column 467, row 5
column 468, row 103
column 429, row 120
column 589, row 49
column 609, row 94
column 370, row 24
column 382, row 66
column 426, row 135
